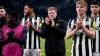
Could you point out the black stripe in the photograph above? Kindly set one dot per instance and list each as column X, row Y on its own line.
column 86, row 43
column 25, row 45
column 86, row 46
column 94, row 40
column 35, row 23
column 74, row 46
column 30, row 36
column 39, row 41
column 69, row 23
column 80, row 44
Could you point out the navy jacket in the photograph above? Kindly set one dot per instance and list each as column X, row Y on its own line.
column 54, row 36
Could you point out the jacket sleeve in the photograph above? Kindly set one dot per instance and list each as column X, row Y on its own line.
column 61, row 29
column 2, row 41
column 43, row 31
column 23, row 40
column 1, row 37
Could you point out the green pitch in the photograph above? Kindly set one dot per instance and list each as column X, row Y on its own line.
column 68, row 43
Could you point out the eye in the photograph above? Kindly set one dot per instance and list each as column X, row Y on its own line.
column 1, row 11
column 49, row 13
column 52, row 12
column 96, row 6
column 92, row 6
column 82, row 7
column 77, row 6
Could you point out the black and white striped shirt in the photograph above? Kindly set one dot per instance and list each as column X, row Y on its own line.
column 81, row 44
column 96, row 40
column 33, row 40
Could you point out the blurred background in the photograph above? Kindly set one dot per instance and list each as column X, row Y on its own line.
column 66, row 8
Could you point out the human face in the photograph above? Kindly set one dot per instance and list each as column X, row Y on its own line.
column 26, row 10
column 95, row 9
column 52, row 14
column 81, row 9
column 2, row 13
column 10, row 19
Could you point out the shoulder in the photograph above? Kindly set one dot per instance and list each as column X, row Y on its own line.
column 72, row 21
column 5, row 26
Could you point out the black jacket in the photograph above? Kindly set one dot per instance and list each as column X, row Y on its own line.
column 54, row 36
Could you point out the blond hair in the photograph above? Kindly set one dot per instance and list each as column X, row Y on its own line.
column 81, row 2
column 52, row 8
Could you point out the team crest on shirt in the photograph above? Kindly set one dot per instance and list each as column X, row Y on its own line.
column 94, row 25
column 57, row 24
column 79, row 31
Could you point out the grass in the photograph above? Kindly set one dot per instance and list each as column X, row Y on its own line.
column 68, row 43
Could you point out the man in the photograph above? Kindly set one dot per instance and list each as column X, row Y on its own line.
column 2, row 22
column 80, row 29
column 53, row 30
column 14, row 36
column 32, row 47
column 2, row 16
column 95, row 8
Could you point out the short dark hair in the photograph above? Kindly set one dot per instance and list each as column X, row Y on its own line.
column 95, row 3
column 29, row 5
column 2, row 7
column 33, row 7
column 12, row 14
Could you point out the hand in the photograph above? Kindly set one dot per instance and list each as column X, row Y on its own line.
column 10, row 35
column 81, row 22
column 78, row 25
column 47, row 20
column 53, row 23
column 28, row 24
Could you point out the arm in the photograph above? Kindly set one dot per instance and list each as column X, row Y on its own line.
column 90, row 32
column 23, row 40
column 44, row 29
column 61, row 29
column 2, row 41
column 70, row 33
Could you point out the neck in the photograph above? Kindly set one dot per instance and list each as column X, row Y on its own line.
column 12, row 25
column 31, row 15
column 94, row 15
column 81, row 17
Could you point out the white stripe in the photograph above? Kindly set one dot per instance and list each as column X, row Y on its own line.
column 72, row 48
column 89, row 45
column 97, row 36
column 72, row 24
column 27, row 41
column 97, row 41
column 22, row 22
column 37, row 40
column 32, row 38
column 37, row 44
column 83, row 46
column 83, row 40
column 77, row 46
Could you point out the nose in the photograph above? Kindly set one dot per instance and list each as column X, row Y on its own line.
column 79, row 9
